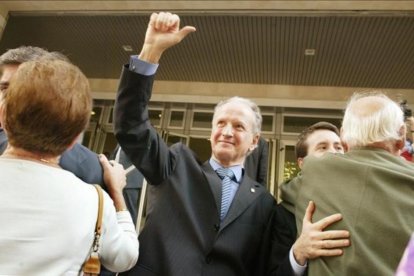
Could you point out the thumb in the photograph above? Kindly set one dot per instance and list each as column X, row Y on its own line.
column 309, row 212
column 104, row 161
column 185, row 31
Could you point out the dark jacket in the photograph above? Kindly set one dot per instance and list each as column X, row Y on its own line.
column 183, row 234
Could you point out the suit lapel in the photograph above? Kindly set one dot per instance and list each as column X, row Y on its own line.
column 245, row 195
column 214, row 182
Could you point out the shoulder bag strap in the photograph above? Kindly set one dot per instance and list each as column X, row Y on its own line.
column 93, row 266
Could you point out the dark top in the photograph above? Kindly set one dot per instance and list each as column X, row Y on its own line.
column 256, row 163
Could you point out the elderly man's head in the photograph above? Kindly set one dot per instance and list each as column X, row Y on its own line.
column 236, row 130
column 373, row 119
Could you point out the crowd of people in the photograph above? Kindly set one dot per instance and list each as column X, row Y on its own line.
column 349, row 211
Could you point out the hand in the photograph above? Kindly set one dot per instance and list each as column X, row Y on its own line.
column 163, row 32
column 313, row 242
column 115, row 180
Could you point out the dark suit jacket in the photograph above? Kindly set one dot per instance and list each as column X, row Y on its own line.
column 3, row 141
column 79, row 160
column 374, row 192
column 283, row 236
column 256, row 163
column 183, row 234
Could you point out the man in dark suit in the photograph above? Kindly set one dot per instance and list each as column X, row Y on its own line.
column 79, row 160
column 3, row 141
column 370, row 185
column 187, row 231
column 315, row 140
column 257, row 162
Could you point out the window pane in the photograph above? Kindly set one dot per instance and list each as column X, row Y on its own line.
column 177, row 119
column 96, row 113
column 86, row 138
column 201, row 146
column 155, row 117
column 297, row 124
column 173, row 139
column 111, row 116
column 267, row 124
column 291, row 168
column 202, row 120
column 110, row 144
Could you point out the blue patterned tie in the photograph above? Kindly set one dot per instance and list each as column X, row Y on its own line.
column 226, row 176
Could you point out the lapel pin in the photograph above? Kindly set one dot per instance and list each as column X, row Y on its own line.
column 252, row 190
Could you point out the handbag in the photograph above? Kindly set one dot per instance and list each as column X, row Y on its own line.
column 92, row 266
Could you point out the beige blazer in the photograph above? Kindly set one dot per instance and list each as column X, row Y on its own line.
column 374, row 191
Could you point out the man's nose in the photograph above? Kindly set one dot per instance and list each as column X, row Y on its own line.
column 332, row 149
column 228, row 130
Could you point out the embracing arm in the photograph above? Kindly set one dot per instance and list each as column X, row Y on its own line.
column 290, row 257
column 315, row 242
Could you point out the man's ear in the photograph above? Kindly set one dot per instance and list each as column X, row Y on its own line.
column 400, row 144
column 254, row 142
column 345, row 146
column 300, row 162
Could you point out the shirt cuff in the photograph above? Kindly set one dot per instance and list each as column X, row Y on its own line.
column 142, row 67
column 298, row 269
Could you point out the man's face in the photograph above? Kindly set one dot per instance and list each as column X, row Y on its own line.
column 322, row 141
column 232, row 134
column 7, row 73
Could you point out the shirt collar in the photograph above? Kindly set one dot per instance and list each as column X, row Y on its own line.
column 237, row 169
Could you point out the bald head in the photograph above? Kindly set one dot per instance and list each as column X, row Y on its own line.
column 372, row 118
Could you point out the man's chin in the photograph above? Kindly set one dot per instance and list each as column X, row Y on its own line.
column 224, row 156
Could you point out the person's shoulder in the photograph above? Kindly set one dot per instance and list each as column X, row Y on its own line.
column 80, row 153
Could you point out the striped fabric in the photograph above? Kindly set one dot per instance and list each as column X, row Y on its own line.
column 226, row 176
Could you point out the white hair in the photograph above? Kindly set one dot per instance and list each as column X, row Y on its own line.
column 257, row 122
column 370, row 118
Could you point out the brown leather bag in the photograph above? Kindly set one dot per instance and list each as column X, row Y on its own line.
column 92, row 266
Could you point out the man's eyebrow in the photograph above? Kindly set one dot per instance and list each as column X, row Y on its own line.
column 322, row 143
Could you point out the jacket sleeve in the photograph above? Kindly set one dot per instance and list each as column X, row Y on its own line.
column 134, row 132
column 283, row 236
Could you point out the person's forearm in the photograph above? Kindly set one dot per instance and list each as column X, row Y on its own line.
column 119, row 201
column 149, row 54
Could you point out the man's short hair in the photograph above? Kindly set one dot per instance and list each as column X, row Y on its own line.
column 47, row 105
column 301, row 148
column 28, row 53
column 257, row 122
column 372, row 117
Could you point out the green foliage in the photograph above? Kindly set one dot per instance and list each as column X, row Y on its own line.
column 291, row 170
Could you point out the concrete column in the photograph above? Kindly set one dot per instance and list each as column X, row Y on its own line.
column 3, row 18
